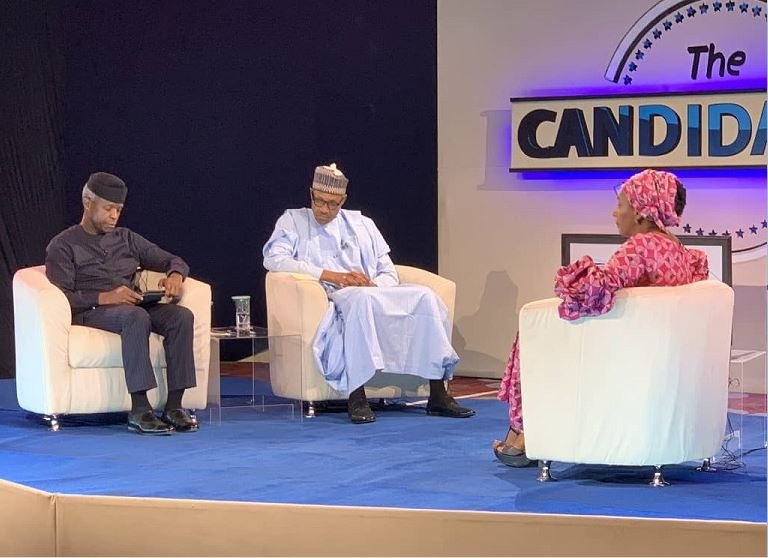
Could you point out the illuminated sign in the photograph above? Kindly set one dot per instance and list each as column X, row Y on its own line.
column 685, row 130
column 698, row 71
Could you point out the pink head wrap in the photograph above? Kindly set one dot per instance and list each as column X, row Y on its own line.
column 652, row 194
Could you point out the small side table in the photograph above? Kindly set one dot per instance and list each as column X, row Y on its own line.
column 255, row 393
column 741, row 383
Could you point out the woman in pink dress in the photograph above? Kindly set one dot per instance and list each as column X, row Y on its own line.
column 648, row 203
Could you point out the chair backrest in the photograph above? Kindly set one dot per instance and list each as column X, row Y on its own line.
column 644, row 384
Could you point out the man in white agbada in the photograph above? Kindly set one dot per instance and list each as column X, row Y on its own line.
column 400, row 329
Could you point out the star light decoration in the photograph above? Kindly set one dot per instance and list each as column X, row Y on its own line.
column 740, row 232
column 679, row 17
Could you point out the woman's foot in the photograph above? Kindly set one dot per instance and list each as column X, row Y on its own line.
column 513, row 439
column 511, row 451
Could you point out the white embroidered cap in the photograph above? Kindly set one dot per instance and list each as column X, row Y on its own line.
column 329, row 179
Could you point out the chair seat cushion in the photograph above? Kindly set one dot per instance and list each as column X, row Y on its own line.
column 95, row 348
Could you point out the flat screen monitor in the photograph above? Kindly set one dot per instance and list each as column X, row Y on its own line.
column 602, row 246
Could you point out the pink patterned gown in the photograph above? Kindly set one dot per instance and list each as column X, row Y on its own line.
column 586, row 289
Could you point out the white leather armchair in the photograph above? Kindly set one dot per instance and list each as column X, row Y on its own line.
column 645, row 384
column 295, row 305
column 69, row 369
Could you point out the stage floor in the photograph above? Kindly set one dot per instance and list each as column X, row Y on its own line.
column 403, row 460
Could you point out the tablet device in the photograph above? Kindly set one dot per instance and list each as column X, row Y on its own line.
column 151, row 297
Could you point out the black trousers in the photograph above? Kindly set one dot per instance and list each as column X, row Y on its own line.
column 134, row 323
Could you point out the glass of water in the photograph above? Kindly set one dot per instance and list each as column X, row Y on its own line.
column 242, row 313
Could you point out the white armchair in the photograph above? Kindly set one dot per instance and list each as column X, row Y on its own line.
column 295, row 305
column 645, row 384
column 69, row 369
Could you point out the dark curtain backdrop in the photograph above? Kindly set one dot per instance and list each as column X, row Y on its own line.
column 31, row 178
column 215, row 114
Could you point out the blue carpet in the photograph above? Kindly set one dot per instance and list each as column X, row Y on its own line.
column 405, row 459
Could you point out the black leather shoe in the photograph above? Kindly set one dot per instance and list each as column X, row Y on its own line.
column 180, row 420
column 448, row 407
column 146, row 422
column 358, row 409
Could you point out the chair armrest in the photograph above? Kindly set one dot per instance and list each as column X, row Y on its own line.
column 196, row 295
column 295, row 304
column 444, row 288
column 42, row 320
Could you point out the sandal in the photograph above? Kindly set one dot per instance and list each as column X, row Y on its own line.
column 511, row 457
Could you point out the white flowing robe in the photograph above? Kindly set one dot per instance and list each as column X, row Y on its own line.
column 399, row 329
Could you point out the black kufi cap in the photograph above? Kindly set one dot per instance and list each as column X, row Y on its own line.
column 107, row 186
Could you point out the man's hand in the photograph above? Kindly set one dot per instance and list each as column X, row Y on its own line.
column 351, row 279
column 171, row 284
column 362, row 279
column 120, row 295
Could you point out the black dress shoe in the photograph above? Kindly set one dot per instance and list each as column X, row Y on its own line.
column 358, row 409
column 180, row 420
column 145, row 422
column 448, row 407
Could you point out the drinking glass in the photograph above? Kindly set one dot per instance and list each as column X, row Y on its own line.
column 242, row 313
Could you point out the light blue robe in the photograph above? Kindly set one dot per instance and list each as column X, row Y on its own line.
column 399, row 329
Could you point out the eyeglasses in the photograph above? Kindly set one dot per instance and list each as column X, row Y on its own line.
column 329, row 204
